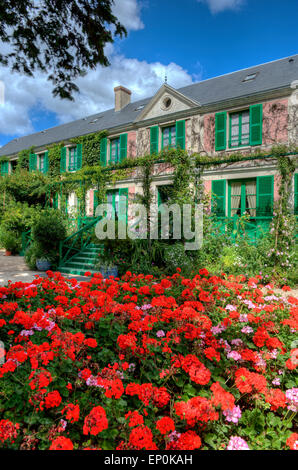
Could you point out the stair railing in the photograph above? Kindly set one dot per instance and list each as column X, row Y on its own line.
column 26, row 241
column 76, row 242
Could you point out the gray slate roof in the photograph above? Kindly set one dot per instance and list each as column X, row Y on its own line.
column 272, row 75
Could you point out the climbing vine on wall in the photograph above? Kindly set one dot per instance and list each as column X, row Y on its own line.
column 283, row 225
column 91, row 147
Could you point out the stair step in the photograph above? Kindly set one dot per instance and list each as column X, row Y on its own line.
column 84, row 259
column 86, row 266
column 80, row 272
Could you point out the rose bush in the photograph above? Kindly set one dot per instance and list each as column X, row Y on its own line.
column 137, row 363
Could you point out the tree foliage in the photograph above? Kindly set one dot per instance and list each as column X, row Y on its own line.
column 63, row 38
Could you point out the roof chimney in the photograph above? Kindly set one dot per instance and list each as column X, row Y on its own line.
column 122, row 97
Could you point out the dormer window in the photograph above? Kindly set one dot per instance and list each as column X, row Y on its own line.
column 250, row 77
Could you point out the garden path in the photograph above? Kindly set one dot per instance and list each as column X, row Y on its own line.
column 15, row 269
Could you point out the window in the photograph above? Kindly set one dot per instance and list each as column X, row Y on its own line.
column 72, row 159
column 243, row 198
column 169, row 137
column 42, row 163
column 115, row 150
column 239, row 129
column 245, row 128
column 163, row 194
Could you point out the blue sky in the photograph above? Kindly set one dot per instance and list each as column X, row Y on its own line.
column 190, row 39
column 188, row 33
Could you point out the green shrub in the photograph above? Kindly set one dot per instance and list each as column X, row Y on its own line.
column 49, row 229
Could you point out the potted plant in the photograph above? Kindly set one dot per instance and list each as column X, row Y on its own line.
column 107, row 268
column 43, row 264
column 47, row 231
column 10, row 242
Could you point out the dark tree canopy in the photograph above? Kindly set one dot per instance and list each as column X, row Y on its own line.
column 63, row 38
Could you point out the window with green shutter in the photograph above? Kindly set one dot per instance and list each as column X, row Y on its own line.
column 220, row 131
column 256, row 124
column 154, row 138
column 218, row 201
column 103, row 151
column 63, row 160
column 32, row 162
column 242, row 197
column 296, row 194
column 180, row 134
column 265, row 196
column 4, row 168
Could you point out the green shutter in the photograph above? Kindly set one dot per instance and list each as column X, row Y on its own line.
column 79, row 156
column 103, row 151
column 32, row 161
column 256, row 124
column 154, row 137
column 55, row 201
column 63, row 160
column 123, row 147
column 4, row 168
column 95, row 201
column 46, row 162
column 180, row 134
column 265, row 196
column 296, row 194
column 121, row 214
column 220, row 131
column 218, row 202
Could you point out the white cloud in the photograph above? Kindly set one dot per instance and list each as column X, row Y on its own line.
column 216, row 6
column 128, row 13
column 22, row 94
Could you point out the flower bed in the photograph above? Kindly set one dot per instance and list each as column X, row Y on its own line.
column 136, row 363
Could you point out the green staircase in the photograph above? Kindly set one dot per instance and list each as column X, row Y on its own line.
column 77, row 253
column 83, row 261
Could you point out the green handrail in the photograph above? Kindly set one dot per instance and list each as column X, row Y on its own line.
column 75, row 243
column 240, row 227
column 26, row 241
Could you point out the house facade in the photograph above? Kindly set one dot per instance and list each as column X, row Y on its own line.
column 245, row 111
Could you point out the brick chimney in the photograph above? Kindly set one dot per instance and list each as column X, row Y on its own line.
column 122, row 97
